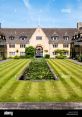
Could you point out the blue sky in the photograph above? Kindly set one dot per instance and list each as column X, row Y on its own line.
column 46, row 13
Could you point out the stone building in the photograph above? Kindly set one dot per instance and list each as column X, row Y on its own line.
column 46, row 40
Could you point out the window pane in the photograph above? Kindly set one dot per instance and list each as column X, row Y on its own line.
column 38, row 37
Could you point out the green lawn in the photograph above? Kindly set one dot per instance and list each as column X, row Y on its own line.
column 67, row 88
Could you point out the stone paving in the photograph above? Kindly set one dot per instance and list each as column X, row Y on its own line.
column 77, row 62
column 41, row 106
column 2, row 61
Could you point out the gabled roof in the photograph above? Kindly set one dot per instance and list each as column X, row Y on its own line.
column 60, row 31
column 18, row 31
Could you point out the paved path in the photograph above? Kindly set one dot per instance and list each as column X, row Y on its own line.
column 41, row 106
column 2, row 61
column 75, row 61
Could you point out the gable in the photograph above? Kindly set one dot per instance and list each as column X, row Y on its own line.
column 38, row 37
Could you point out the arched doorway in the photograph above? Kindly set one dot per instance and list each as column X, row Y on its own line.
column 39, row 51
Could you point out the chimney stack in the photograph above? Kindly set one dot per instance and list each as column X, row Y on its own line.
column 0, row 25
column 79, row 25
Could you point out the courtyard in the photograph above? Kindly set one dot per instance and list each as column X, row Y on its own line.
column 68, row 87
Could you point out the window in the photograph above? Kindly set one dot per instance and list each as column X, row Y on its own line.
column 55, row 45
column 2, row 37
column 11, row 37
column 81, row 35
column 66, row 53
column 23, row 37
column 65, row 45
column 54, row 38
column 22, row 45
column 11, row 53
column 66, row 38
column 38, row 37
column 12, row 46
column 22, row 53
column 54, row 53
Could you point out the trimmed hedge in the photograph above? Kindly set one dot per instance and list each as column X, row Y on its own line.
column 47, row 56
column 61, row 57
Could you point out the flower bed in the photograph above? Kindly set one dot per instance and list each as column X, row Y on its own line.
column 38, row 69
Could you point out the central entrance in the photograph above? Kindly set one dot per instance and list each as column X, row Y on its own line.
column 39, row 51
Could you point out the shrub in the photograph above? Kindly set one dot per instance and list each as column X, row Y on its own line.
column 38, row 69
column 79, row 58
column 0, row 58
column 22, row 57
column 30, row 52
column 47, row 56
column 16, row 57
column 61, row 57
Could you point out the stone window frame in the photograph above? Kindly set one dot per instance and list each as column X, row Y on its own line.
column 66, row 38
column 55, row 45
column 38, row 37
column 56, row 37
column 65, row 45
column 11, row 45
column 11, row 37
column 22, row 45
column 23, row 38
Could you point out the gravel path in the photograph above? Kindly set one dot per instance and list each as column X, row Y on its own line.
column 43, row 106
column 75, row 61
column 2, row 61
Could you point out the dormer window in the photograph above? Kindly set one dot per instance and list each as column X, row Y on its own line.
column 11, row 37
column 2, row 38
column 81, row 35
column 54, row 38
column 23, row 37
column 66, row 38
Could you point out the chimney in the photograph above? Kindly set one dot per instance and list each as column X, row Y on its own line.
column 79, row 25
column 0, row 25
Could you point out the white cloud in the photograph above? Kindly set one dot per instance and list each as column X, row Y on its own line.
column 27, row 4
column 66, row 11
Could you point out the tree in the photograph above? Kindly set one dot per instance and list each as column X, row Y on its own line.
column 61, row 52
column 30, row 52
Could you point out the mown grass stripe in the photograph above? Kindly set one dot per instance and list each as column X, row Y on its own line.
column 71, row 82
column 9, row 88
column 71, row 66
column 53, row 92
column 76, row 82
column 70, row 72
column 58, row 71
column 7, row 66
column 11, row 75
column 25, row 92
column 18, row 91
column 73, row 63
column 8, row 69
column 67, row 84
column 34, row 92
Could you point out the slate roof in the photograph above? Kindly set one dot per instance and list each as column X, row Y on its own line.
column 60, row 32
column 17, row 32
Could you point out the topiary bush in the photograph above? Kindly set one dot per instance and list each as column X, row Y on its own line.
column 30, row 52
column 16, row 57
column 79, row 58
column 47, row 56
column 61, row 57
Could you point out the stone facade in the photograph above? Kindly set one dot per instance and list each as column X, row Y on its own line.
column 49, row 39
